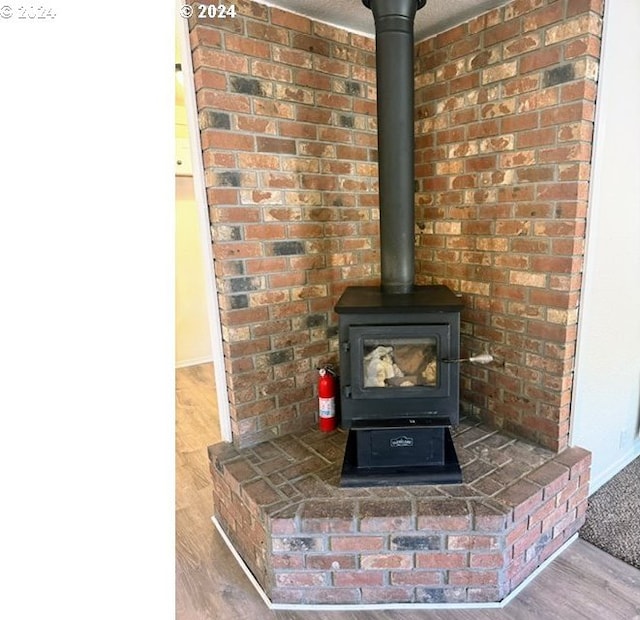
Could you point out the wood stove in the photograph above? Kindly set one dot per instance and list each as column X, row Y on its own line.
column 399, row 389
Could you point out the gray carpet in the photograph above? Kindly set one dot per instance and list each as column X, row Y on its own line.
column 613, row 516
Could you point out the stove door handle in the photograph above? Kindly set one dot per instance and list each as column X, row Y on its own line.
column 483, row 358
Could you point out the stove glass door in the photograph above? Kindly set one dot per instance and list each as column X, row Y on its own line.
column 402, row 360
column 399, row 362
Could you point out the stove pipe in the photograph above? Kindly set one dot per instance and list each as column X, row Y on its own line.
column 394, row 69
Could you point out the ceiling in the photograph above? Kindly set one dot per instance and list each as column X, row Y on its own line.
column 436, row 16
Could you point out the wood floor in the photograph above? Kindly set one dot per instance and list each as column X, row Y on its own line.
column 583, row 583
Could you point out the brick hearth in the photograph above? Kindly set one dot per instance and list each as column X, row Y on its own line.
column 307, row 541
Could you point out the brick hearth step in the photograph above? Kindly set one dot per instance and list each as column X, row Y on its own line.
column 308, row 541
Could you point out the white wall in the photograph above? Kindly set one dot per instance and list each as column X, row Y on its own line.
column 606, row 400
column 193, row 337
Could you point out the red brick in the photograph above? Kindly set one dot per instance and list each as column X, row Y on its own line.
column 563, row 524
column 578, row 90
column 271, row 71
column 550, row 332
column 582, row 6
column 559, row 228
column 290, row 21
column 520, row 85
column 557, row 264
column 332, row 67
column 289, row 562
column 205, row 78
column 473, row 578
column 331, row 562
column 521, row 45
column 255, row 124
column 261, row 231
column 349, row 152
column 578, row 459
column 521, row 7
column 416, row 578
column 226, row 140
column 542, row 513
column 356, row 543
column 249, row 47
column 360, row 578
column 543, row 17
column 451, row 36
column 475, row 164
column 387, row 594
column 252, row 9
column 299, row 578
column 536, row 137
column 519, row 122
column 528, row 539
column 258, row 160
column 586, row 45
column 315, row 45
column 506, row 30
column 312, row 80
column 438, row 560
column 278, row 180
column 386, row 560
column 521, row 496
column 227, row 196
column 578, row 498
column 466, row 541
column 465, row 46
column 220, row 61
column 335, row 596
column 483, row 129
column 204, row 35
column 568, row 113
column 288, row 595
column 465, row 82
column 487, row 560
column 570, row 28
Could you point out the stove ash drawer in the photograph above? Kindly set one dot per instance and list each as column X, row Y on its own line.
column 400, row 447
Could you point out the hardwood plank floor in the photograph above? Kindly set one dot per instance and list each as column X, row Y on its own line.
column 583, row 583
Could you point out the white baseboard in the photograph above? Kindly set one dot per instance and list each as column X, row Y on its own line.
column 385, row 606
column 194, row 361
column 617, row 467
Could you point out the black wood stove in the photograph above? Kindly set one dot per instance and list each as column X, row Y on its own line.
column 399, row 391
column 398, row 342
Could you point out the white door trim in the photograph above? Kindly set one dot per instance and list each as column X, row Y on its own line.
column 215, row 328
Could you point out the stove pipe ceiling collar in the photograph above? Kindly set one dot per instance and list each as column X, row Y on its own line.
column 394, row 74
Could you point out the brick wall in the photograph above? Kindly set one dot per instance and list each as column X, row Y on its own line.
column 504, row 116
column 505, row 110
column 287, row 115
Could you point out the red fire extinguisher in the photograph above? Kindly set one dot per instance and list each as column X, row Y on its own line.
column 327, row 399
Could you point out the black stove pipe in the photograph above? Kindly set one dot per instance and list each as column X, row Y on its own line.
column 394, row 70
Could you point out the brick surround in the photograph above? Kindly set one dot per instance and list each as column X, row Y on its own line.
column 308, row 541
column 505, row 105
column 504, row 117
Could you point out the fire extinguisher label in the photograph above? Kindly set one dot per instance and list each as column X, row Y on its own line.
column 327, row 407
